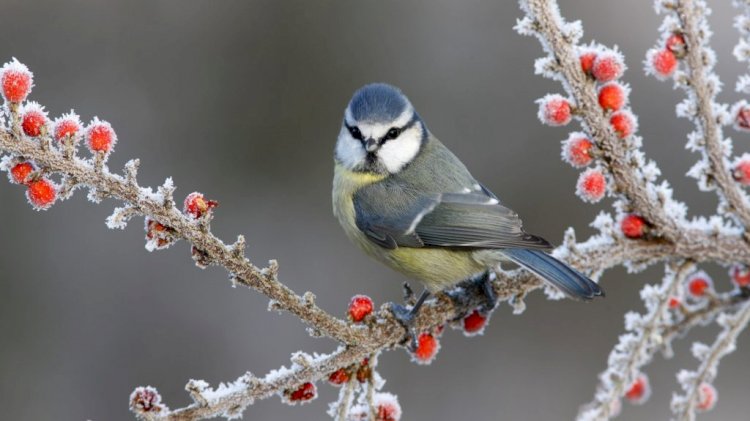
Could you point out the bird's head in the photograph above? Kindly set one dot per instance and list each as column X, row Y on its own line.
column 381, row 132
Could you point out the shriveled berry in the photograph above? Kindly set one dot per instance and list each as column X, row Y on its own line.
column 338, row 377
column 305, row 393
column 146, row 400
column 196, row 205
column 676, row 44
column 740, row 275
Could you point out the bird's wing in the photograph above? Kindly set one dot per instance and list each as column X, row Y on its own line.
column 459, row 220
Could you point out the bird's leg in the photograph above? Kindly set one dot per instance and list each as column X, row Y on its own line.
column 485, row 283
column 407, row 316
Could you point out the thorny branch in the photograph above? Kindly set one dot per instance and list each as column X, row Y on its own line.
column 669, row 238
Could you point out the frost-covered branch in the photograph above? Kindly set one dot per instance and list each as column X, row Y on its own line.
column 699, row 393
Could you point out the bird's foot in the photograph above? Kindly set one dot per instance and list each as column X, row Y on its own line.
column 480, row 284
column 406, row 317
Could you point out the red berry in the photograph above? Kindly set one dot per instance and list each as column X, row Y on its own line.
column 100, row 137
column 662, row 63
column 16, row 80
column 623, row 123
column 591, row 185
column 587, row 61
column 674, row 303
column 740, row 275
column 146, row 399
column 33, row 120
column 741, row 171
column 612, row 96
column 20, row 172
column 196, row 205
column 41, row 193
column 554, row 110
column 359, row 307
column 742, row 117
column 707, row 397
column 427, row 348
column 676, row 44
column 387, row 407
column 639, row 392
column 633, row 226
column 67, row 125
column 305, row 393
column 474, row 323
column 338, row 377
column 577, row 150
column 698, row 284
column 608, row 66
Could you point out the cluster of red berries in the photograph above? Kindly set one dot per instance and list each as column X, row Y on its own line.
column 16, row 82
column 362, row 372
column 662, row 62
column 700, row 286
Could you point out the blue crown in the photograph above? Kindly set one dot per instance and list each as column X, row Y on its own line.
column 378, row 102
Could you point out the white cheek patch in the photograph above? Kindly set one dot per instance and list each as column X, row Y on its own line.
column 349, row 150
column 396, row 153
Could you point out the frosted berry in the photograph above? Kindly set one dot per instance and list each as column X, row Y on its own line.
column 740, row 275
column 338, row 377
column 146, row 400
column 674, row 303
column 639, row 392
column 196, row 205
column 587, row 61
column 41, row 193
column 676, row 44
column 305, row 393
column 741, row 171
column 699, row 284
column 554, row 110
column 100, row 137
column 158, row 236
column 742, row 116
column 20, row 172
column 591, row 185
column 387, row 407
column 68, row 125
column 16, row 80
column 623, row 123
column 661, row 63
column 427, row 348
column 33, row 120
column 577, row 150
column 607, row 67
column 612, row 96
column 474, row 323
column 633, row 226
column 707, row 397
column 359, row 307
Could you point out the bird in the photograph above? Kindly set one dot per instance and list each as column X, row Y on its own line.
column 407, row 201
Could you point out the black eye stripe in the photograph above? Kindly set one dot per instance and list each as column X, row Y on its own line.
column 354, row 131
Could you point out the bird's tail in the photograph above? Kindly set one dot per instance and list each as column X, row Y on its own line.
column 568, row 280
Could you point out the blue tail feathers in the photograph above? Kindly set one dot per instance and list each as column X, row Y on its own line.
column 568, row 280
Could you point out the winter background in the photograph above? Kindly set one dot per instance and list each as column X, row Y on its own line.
column 243, row 101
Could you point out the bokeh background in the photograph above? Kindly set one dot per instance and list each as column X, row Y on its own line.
column 242, row 100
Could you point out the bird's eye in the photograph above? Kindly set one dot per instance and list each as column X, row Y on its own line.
column 392, row 133
column 354, row 131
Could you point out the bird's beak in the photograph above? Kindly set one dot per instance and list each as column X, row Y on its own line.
column 371, row 145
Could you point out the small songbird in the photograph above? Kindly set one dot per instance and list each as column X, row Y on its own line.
column 407, row 201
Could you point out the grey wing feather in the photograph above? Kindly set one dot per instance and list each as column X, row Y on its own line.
column 475, row 221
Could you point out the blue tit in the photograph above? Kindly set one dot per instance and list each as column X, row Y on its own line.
column 409, row 202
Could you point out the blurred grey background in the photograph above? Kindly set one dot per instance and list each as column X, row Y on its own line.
column 242, row 100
